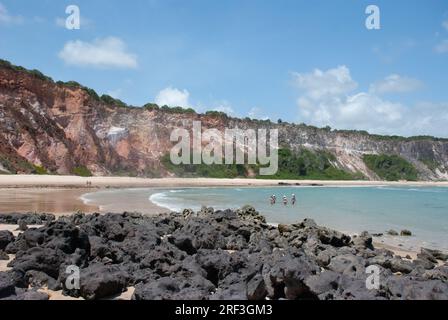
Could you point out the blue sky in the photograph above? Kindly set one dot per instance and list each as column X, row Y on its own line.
column 301, row 61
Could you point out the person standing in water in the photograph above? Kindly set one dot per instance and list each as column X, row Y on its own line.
column 293, row 199
column 285, row 200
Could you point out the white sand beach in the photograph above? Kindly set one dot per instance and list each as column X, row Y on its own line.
column 48, row 181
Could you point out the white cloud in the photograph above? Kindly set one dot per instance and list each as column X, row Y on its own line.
column 343, row 109
column 445, row 24
column 257, row 113
column 173, row 97
column 223, row 106
column 8, row 19
column 395, row 84
column 442, row 47
column 109, row 52
column 319, row 84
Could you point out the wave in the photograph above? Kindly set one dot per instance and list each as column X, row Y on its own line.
column 162, row 199
column 85, row 198
column 411, row 189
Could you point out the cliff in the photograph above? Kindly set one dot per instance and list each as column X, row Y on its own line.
column 65, row 128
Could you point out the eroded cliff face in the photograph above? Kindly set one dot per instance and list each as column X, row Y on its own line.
column 61, row 128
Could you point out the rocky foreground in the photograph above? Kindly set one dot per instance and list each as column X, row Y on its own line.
column 207, row 255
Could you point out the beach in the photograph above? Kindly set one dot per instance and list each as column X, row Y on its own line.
column 62, row 195
column 44, row 181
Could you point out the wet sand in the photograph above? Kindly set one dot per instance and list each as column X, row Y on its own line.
column 108, row 200
column 44, row 200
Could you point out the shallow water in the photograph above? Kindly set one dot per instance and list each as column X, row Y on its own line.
column 424, row 211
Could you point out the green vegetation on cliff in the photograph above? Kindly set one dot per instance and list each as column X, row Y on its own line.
column 391, row 168
column 203, row 170
column 303, row 165
column 39, row 170
column 307, row 164
column 34, row 72
column 82, row 171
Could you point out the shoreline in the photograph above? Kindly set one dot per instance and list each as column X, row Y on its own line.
column 48, row 181
column 67, row 192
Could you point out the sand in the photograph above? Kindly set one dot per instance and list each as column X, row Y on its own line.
column 48, row 200
column 26, row 181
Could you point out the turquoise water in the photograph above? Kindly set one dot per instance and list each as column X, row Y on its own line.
column 424, row 211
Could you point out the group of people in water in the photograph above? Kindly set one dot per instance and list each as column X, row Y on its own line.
column 284, row 200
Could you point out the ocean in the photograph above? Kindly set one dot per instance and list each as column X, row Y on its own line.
column 423, row 211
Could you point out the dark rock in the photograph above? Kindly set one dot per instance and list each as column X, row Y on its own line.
column 438, row 273
column 377, row 235
column 7, row 287
column 28, row 295
column 29, row 218
column 284, row 275
column 39, row 259
column 6, row 237
column 406, row 233
column 233, row 287
column 4, row 256
column 400, row 265
column 324, row 284
column 424, row 263
column 32, row 295
column 363, row 241
column 256, row 288
column 405, row 288
column 38, row 279
column 23, row 226
column 427, row 256
column 184, row 242
column 172, row 288
column 249, row 213
column 333, row 238
column 392, row 233
column 99, row 281
column 221, row 254
column 347, row 263
column 437, row 254
column 323, row 258
column 163, row 260
column 217, row 264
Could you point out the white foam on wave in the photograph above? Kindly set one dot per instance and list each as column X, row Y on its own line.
column 162, row 199
column 85, row 198
column 411, row 189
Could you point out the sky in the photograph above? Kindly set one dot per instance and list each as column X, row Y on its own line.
column 312, row 62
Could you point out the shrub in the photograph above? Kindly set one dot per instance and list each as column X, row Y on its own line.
column 39, row 170
column 82, row 172
column 391, row 168
column 307, row 164
column 151, row 106
column 218, row 114
column 112, row 101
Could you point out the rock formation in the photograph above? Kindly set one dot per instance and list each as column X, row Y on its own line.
column 211, row 255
